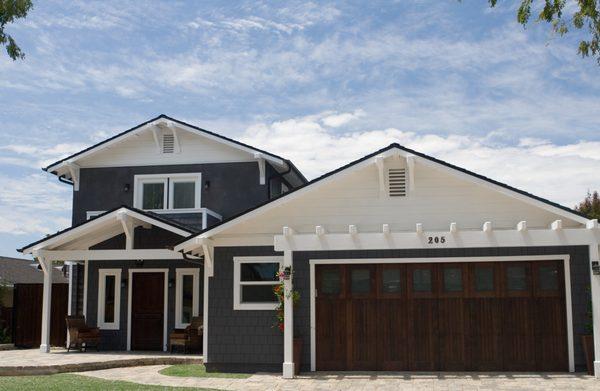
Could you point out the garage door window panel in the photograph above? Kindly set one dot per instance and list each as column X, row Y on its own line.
column 361, row 281
column 548, row 279
column 484, row 279
column 452, row 278
column 392, row 281
column 422, row 281
column 517, row 279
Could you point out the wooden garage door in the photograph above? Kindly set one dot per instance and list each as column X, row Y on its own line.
column 488, row 316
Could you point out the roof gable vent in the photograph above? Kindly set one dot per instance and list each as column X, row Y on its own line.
column 168, row 145
column 397, row 182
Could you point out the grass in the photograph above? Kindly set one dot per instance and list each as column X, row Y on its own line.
column 65, row 381
column 199, row 370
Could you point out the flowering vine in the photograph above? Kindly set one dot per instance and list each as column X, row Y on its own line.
column 280, row 292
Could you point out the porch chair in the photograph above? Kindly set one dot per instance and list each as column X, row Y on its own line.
column 190, row 337
column 81, row 335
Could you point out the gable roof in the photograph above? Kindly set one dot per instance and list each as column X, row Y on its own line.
column 148, row 217
column 557, row 208
column 23, row 271
column 231, row 142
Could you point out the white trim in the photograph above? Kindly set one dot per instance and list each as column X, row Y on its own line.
column 85, row 287
column 102, row 274
column 237, row 303
column 205, row 316
column 461, row 238
column 179, row 273
column 151, row 125
column 288, row 322
column 106, row 255
column 167, row 180
column 564, row 257
column 70, row 298
column 166, row 303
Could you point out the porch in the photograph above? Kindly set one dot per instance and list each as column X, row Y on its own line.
column 25, row 362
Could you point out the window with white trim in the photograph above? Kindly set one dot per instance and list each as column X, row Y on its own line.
column 109, row 298
column 253, row 281
column 187, row 296
column 169, row 192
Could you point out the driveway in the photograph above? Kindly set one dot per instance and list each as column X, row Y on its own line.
column 361, row 381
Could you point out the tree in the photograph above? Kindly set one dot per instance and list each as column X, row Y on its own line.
column 590, row 206
column 587, row 14
column 9, row 11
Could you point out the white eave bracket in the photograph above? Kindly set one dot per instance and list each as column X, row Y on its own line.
column 74, row 172
column 261, row 167
column 128, row 228
column 209, row 254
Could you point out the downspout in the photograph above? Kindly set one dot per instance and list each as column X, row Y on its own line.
column 63, row 180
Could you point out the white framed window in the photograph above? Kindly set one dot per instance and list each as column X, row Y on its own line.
column 187, row 285
column 253, row 281
column 109, row 298
column 168, row 192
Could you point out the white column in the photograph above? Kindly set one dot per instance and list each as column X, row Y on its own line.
column 288, row 322
column 46, row 304
column 595, row 288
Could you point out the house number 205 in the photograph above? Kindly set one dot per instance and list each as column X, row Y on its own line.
column 436, row 239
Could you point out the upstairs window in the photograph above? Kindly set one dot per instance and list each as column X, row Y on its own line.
column 169, row 192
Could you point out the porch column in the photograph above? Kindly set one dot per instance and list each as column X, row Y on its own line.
column 288, row 322
column 46, row 304
column 595, row 291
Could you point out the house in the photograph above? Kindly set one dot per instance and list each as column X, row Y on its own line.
column 21, row 275
column 401, row 261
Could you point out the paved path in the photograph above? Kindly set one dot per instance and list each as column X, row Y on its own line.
column 33, row 362
column 361, row 381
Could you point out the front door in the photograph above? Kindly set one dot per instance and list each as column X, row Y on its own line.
column 147, row 311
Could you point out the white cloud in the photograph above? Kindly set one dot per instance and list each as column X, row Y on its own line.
column 340, row 119
column 562, row 173
column 36, row 156
column 35, row 203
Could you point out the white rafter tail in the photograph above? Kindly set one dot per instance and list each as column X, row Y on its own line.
column 380, row 166
column 487, row 226
column 556, row 225
column 288, row 231
column 453, row 228
column 419, row 229
column 260, row 159
column 175, row 138
column 592, row 224
column 352, row 230
column 385, row 228
column 410, row 163
column 319, row 230
column 522, row 226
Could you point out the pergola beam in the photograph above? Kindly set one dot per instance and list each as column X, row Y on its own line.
column 107, row 255
column 487, row 237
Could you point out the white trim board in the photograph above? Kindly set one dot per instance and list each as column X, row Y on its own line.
column 179, row 273
column 237, row 283
column 564, row 257
column 166, row 303
column 100, row 321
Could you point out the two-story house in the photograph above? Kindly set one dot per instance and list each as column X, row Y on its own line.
column 400, row 261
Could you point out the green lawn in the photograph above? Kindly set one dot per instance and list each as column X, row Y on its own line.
column 65, row 381
column 196, row 370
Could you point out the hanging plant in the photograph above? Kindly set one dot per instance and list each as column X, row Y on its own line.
column 280, row 292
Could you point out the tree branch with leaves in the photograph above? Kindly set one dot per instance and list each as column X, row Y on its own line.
column 10, row 10
column 587, row 15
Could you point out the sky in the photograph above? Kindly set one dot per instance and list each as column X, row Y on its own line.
column 319, row 83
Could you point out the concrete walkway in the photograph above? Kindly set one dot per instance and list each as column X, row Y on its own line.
column 361, row 381
column 22, row 362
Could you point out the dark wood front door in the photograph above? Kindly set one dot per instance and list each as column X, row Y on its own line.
column 487, row 316
column 147, row 311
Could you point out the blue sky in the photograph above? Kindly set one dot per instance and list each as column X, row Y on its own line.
column 320, row 83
